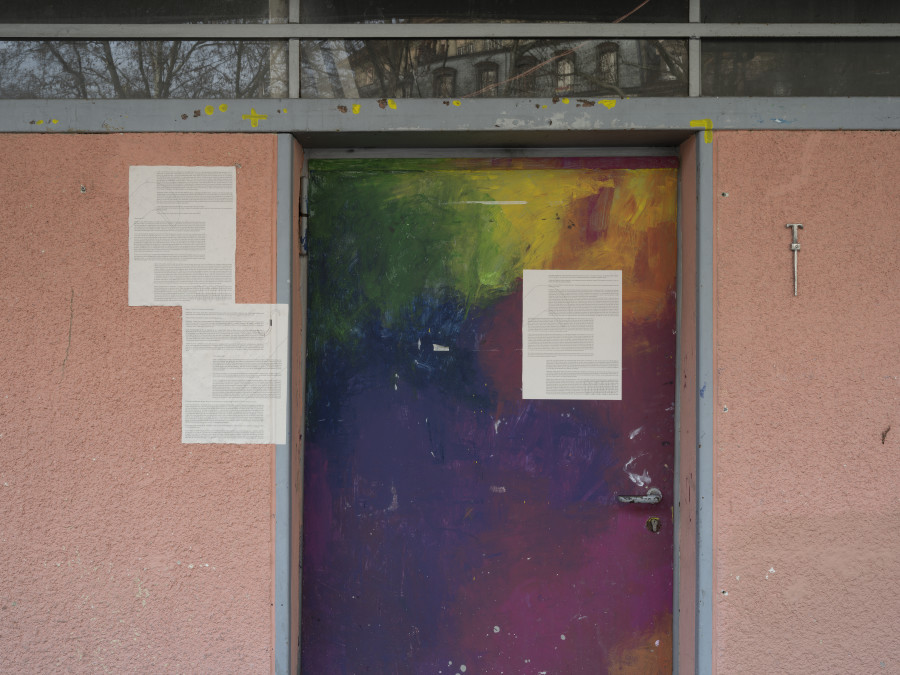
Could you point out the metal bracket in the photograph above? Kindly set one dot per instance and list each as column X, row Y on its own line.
column 795, row 246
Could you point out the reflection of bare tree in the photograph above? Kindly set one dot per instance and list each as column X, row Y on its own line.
column 491, row 67
column 136, row 69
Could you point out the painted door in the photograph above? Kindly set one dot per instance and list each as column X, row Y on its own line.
column 451, row 526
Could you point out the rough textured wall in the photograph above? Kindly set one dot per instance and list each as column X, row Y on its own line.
column 808, row 403
column 121, row 549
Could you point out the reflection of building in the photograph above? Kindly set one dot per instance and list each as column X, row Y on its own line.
column 507, row 67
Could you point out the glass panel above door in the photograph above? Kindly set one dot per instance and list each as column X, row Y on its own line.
column 98, row 69
column 145, row 11
column 801, row 67
column 465, row 68
column 401, row 11
column 819, row 11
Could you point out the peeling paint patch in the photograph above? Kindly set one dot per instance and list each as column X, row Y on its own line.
column 639, row 480
column 342, row 108
column 198, row 112
column 585, row 103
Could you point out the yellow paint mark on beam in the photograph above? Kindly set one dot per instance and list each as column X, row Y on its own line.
column 707, row 125
column 610, row 103
column 209, row 110
column 254, row 117
column 356, row 108
column 392, row 104
column 223, row 107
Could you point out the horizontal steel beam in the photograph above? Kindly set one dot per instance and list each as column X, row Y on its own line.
column 275, row 31
column 540, row 121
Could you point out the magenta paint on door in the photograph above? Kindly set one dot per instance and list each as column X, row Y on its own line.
column 449, row 525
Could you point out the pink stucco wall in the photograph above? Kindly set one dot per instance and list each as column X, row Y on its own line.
column 121, row 550
column 807, row 435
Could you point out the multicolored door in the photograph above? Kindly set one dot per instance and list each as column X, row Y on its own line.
column 450, row 525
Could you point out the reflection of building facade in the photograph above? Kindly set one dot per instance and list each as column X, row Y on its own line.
column 499, row 67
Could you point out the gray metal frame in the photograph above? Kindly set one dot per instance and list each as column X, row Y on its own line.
column 300, row 31
column 285, row 557
column 440, row 123
column 703, row 635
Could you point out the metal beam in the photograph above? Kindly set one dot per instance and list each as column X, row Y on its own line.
column 469, row 122
column 273, row 31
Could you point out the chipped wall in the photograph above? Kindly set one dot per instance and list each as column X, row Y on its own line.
column 807, row 559
column 121, row 549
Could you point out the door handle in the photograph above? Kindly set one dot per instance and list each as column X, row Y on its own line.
column 653, row 496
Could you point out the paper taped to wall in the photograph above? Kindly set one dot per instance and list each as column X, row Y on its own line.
column 181, row 234
column 572, row 334
column 234, row 374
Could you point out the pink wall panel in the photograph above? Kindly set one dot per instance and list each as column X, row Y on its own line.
column 807, row 403
column 120, row 548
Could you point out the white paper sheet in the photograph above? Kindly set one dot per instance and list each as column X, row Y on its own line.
column 234, row 372
column 572, row 334
column 181, row 234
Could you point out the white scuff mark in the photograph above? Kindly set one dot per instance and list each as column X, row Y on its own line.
column 497, row 426
column 771, row 570
column 498, row 489
column 562, row 637
column 656, row 643
column 639, row 480
column 394, row 503
column 491, row 203
column 496, row 629
column 440, row 348
column 635, row 432
column 420, row 344
column 671, row 408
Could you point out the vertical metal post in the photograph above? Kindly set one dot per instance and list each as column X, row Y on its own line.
column 705, row 402
column 694, row 52
column 293, row 52
column 285, row 556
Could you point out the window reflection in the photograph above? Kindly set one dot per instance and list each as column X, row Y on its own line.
column 99, row 69
column 446, row 68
